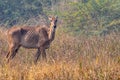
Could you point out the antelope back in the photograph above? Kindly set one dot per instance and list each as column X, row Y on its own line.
column 33, row 37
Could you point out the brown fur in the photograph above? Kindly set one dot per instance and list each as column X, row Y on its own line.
column 31, row 37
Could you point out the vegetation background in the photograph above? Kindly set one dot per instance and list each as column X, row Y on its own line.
column 86, row 46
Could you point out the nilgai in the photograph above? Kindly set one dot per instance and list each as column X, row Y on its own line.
column 31, row 37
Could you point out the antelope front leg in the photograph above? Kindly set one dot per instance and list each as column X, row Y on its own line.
column 43, row 52
column 37, row 55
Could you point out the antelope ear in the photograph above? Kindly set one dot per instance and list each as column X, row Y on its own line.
column 50, row 18
column 56, row 17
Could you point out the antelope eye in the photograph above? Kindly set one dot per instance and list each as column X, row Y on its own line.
column 54, row 26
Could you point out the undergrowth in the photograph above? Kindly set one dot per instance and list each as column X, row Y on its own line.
column 68, row 58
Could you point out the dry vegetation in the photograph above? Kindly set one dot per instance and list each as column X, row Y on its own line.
column 69, row 58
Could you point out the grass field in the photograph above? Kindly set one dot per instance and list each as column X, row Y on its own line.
column 69, row 58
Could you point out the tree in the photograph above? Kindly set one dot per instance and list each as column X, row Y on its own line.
column 92, row 17
column 15, row 11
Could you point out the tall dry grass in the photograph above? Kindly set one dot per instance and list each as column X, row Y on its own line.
column 69, row 58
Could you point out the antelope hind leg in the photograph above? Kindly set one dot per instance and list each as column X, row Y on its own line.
column 8, row 54
column 12, row 52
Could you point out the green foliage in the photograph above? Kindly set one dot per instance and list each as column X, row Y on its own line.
column 93, row 17
column 89, row 17
column 14, row 11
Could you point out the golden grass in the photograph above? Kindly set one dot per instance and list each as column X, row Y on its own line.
column 69, row 58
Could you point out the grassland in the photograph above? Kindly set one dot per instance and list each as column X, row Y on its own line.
column 69, row 58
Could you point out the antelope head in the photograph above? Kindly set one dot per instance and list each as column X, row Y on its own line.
column 53, row 26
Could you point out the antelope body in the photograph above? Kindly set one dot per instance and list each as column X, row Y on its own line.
column 31, row 37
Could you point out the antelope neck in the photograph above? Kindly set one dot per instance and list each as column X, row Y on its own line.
column 51, row 33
